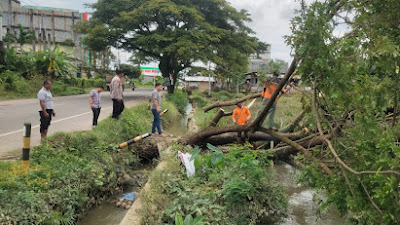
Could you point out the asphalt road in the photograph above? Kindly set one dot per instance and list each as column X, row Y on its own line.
column 73, row 113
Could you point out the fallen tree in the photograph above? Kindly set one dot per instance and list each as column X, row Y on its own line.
column 200, row 137
column 230, row 137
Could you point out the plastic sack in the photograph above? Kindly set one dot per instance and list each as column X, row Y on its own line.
column 129, row 196
column 189, row 164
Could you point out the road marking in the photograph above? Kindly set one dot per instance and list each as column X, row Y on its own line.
column 56, row 121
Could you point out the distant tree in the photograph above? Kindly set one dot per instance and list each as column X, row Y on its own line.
column 176, row 32
column 98, row 40
column 261, row 47
column 24, row 37
column 132, row 72
column 276, row 65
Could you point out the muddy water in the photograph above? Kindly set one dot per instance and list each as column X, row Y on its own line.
column 302, row 209
column 106, row 213
column 109, row 214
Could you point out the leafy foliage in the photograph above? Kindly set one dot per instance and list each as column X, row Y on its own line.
column 357, row 72
column 52, row 62
column 176, row 33
column 235, row 188
column 132, row 72
column 180, row 99
column 24, row 37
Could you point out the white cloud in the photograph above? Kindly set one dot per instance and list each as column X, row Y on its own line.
column 270, row 21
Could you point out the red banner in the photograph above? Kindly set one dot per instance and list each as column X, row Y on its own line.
column 84, row 16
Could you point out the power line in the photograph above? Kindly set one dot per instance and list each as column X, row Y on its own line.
column 33, row 2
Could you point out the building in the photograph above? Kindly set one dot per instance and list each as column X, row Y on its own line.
column 260, row 61
column 198, row 82
column 52, row 26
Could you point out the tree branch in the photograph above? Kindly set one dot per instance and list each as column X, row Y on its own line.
column 299, row 148
column 370, row 199
column 257, row 122
column 230, row 103
column 332, row 149
column 290, row 127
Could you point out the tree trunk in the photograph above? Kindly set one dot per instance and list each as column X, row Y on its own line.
column 228, row 138
column 217, row 117
column 2, row 54
column 171, row 89
column 94, row 64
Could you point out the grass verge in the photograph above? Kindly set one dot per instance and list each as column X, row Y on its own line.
column 71, row 172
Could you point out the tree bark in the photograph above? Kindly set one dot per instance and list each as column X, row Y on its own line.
column 290, row 127
column 228, row 138
column 218, row 116
column 230, row 103
column 299, row 148
column 220, row 113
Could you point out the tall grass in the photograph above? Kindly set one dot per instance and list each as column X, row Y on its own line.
column 180, row 99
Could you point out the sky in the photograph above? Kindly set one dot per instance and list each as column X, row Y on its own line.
column 270, row 19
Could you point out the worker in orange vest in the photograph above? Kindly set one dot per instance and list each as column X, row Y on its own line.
column 241, row 116
column 269, row 88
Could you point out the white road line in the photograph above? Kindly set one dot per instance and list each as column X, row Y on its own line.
column 56, row 121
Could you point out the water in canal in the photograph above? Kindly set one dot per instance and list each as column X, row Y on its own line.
column 303, row 210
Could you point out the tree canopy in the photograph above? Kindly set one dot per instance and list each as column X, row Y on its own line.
column 132, row 72
column 177, row 32
column 354, row 74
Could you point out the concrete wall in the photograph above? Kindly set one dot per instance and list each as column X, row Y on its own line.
column 52, row 27
column 201, row 86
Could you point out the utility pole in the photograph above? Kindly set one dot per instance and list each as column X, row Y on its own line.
column 237, row 85
column 209, row 79
column 1, row 25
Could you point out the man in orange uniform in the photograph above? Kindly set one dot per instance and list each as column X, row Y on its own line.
column 269, row 88
column 241, row 116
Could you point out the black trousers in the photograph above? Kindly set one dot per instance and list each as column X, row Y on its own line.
column 118, row 107
column 45, row 121
column 246, row 134
column 96, row 114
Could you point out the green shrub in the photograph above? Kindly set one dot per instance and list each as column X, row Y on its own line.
column 60, row 88
column 233, row 188
column 180, row 99
column 13, row 81
column 200, row 101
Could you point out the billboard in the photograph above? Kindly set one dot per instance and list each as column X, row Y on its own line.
column 150, row 71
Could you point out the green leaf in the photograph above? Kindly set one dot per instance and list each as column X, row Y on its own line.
column 216, row 158
column 178, row 219
column 196, row 152
column 188, row 220
column 213, row 148
column 197, row 220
